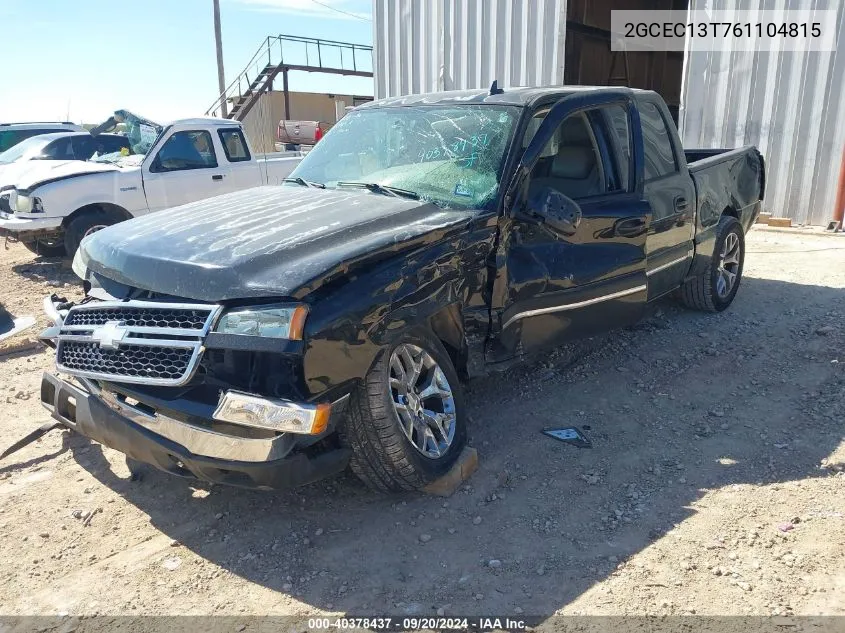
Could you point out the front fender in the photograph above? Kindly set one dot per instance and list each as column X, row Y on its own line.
column 347, row 329
column 62, row 197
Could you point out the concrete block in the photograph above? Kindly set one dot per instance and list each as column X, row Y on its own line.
column 764, row 218
column 780, row 222
column 461, row 470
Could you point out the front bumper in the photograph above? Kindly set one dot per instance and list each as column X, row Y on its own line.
column 29, row 229
column 244, row 462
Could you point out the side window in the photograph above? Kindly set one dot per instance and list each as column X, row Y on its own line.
column 657, row 146
column 234, row 144
column 83, row 147
column 571, row 162
column 111, row 144
column 60, row 149
column 616, row 123
column 185, row 150
column 10, row 138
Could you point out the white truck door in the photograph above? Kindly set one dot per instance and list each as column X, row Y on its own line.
column 185, row 168
column 243, row 168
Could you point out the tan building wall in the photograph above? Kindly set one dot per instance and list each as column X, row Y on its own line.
column 261, row 122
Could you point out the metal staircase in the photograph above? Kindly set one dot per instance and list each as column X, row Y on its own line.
column 279, row 54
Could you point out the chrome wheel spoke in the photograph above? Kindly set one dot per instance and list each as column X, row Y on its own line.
column 397, row 370
column 433, row 386
column 720, row 284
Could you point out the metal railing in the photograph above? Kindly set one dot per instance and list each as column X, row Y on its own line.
column 294, row 52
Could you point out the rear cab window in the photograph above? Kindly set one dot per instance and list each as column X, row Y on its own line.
column 234, row 145
column 659, row 156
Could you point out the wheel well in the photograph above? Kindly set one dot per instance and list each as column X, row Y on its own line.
column 105, row 207
column 731, row 212
column 448, row 326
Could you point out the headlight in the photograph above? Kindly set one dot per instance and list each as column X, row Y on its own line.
column 26, row 204
column 272, row 321
column 78, row 266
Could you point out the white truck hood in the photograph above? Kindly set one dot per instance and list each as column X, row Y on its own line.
column 50, row 171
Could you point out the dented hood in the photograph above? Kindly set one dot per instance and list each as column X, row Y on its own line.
column 263, row 242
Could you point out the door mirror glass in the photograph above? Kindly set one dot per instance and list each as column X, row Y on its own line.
column 556, row 210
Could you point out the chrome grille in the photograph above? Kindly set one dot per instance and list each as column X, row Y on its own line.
column 134, row 341
column 176, row 318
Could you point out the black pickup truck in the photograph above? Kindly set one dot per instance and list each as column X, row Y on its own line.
column 274, row 336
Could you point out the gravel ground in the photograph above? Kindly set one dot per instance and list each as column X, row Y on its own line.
column 714, row 485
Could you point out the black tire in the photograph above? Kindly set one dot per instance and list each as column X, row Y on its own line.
column 85, row 222
column 383, row 456
column 46, row 249
column 700, row 293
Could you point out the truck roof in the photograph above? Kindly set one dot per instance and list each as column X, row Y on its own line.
column 206, row 121
column 519, row 96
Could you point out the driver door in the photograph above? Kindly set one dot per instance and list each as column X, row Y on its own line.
column 557, row 281
column 185, row 168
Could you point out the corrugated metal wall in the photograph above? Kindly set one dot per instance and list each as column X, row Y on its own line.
column 430, row 45
column 789, row 104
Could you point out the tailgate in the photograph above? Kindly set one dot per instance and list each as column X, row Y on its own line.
column 298, row 132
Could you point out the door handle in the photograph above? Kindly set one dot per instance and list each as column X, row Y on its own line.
column 217, row 177
column 629, row 227
column 681, row 203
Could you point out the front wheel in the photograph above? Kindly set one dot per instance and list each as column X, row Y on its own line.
column 406, row 425
column 85, row 224
column 715, row 288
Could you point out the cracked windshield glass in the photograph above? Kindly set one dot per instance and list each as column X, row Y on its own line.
column 449, row 155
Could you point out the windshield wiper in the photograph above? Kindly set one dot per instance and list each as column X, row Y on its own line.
column 383, row 189
column 305, row 183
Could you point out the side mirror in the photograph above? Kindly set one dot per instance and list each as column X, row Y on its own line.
column 557, row 211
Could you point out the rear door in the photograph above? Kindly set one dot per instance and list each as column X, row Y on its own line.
column 671, row 194
column 553, row 286
column 185, row 168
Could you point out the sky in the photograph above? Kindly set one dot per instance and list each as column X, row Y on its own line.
column 84, row 59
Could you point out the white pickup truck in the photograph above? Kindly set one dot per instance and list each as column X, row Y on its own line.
column 51, row 207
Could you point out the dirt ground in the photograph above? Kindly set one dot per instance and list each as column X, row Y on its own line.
column 715, row 483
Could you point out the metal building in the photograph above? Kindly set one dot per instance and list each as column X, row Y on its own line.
column 430, row 45
column 789, row 104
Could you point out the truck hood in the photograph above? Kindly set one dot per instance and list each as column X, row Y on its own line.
column 262, row 242
column 40, row 172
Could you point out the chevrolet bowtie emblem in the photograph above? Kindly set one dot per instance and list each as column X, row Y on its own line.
column 110, row 335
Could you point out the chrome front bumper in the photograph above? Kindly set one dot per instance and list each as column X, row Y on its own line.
column 185, row 449
column 198, row 440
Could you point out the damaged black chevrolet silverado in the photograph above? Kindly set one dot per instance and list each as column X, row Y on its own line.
column 273, row 336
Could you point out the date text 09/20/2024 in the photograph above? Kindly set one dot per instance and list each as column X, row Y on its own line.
column 375, row 623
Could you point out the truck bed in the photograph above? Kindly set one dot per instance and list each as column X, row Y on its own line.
column 732, row 179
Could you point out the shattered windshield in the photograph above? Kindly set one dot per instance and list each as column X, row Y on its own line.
column 140, row 132
column 450, row 155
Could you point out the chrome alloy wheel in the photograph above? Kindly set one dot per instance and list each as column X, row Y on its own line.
column 423, row 400
column 728, row 265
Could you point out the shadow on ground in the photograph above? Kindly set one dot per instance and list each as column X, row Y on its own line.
column 682, row 403
column 53, row 271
